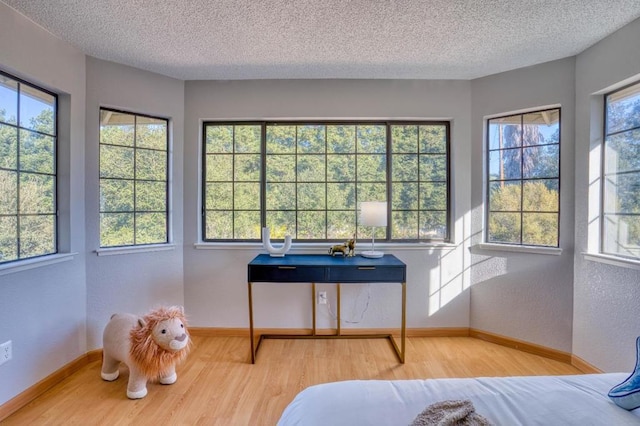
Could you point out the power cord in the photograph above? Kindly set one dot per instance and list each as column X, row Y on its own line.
column 355, row 302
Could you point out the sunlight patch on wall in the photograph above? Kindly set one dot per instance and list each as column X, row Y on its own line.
column 448, row 280
column 595, row 158
column 453, row 275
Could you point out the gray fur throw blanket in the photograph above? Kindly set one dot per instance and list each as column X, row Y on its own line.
column 450, row 413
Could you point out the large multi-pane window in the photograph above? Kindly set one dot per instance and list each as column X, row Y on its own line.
column 28, row 139
column 307, row 179
column 621, row 189
column 133, row 179
column 523, row 182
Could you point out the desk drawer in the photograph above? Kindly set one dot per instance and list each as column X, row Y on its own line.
column 381, row 274
column 300, row 274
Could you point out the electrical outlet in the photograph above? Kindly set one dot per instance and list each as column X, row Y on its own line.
column 322, row 298
column 5, row 352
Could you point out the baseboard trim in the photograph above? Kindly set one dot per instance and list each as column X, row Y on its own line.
column 521, row 345
column 31, row 393
column 438, row 332
column 94, row 355
column 411, row 332
column 584, row 366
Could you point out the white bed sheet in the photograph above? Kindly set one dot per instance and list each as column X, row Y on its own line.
column 534, row 400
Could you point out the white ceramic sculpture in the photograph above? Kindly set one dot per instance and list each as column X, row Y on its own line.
column 275, row 251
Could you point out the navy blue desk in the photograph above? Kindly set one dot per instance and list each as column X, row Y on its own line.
column 322, row 268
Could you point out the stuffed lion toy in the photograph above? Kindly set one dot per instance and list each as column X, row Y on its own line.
column 151, row 346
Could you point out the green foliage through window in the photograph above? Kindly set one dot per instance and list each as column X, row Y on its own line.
column 523, row 183
column 28, row 180
column 621, row 180
column 307, row 179
column 133, row 179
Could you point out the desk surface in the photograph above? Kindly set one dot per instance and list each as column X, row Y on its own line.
column 322, row 268
column 324, row 260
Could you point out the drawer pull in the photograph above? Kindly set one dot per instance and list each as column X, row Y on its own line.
column 286, row 267
column 367, row 267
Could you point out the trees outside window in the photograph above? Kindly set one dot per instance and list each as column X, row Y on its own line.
column 621, row 179
column 523, row 179
column 307, row 179
column 28, row 176
column 134, row 180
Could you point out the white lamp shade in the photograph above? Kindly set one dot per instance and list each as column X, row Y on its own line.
column 373, row 213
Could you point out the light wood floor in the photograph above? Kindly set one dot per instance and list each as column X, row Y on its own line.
column 217, row 385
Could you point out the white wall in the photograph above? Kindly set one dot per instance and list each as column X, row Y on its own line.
column 522, row 295
column 606, row 297
column 43, row 310
column 216, row 280
column 131, row 282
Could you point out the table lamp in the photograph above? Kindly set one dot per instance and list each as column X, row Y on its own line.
column 373, row 213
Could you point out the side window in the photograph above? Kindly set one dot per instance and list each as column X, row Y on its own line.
column 134, row 184
column 28, row 176
column 523, row 179
column 621, row 181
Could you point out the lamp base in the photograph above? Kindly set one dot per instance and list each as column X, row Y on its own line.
column 372, row 254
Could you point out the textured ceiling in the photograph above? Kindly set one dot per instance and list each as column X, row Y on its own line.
column 258, row 39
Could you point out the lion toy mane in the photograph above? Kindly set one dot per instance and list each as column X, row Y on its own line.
column 151, row 346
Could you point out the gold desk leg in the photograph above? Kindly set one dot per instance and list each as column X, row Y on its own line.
column 313, row 307
column 253, row 353
column 403, row 332
column 338, row 309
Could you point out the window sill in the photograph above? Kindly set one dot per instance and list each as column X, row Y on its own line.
column 612, row 260
column 38, row 262
column 552, row 251
column 134, row 249
column 323, row 247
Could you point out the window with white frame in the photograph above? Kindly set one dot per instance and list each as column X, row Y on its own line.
column 621, row 174
column 523, row 179
column 28, row 176
column 134, row 183
column 308, row 178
